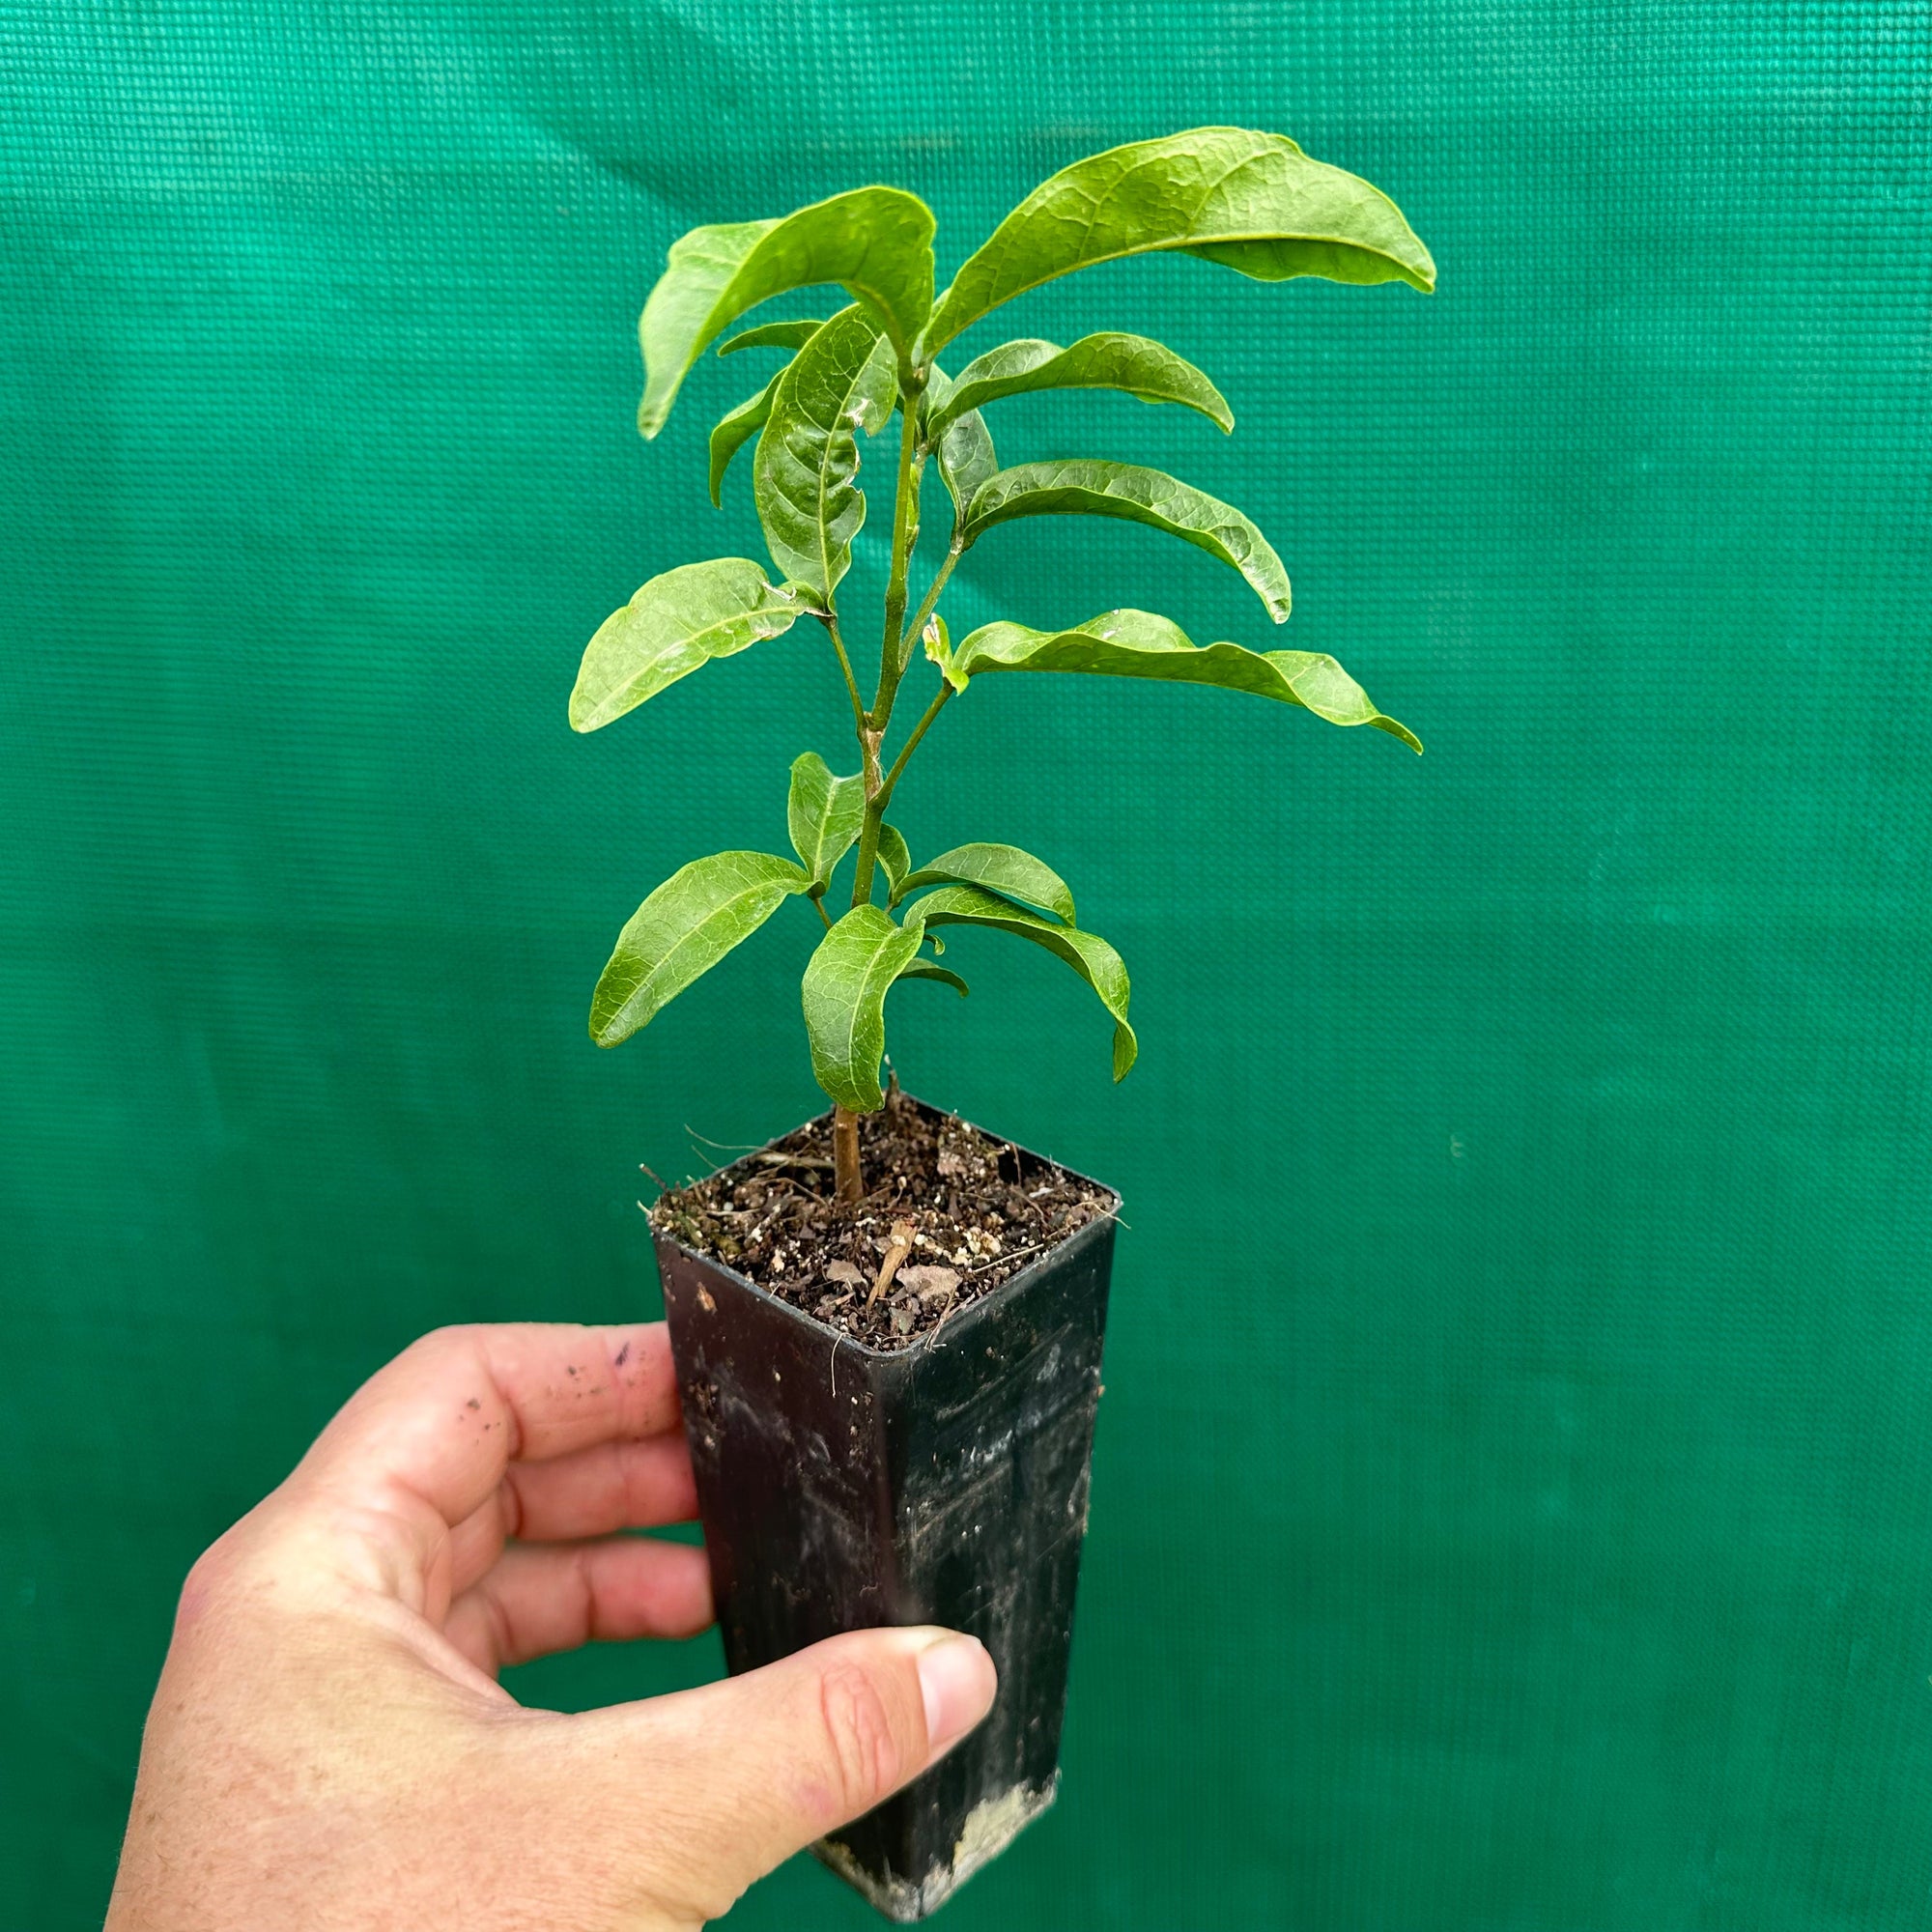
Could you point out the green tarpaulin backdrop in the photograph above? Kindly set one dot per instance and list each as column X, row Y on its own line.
column 1514, row 1496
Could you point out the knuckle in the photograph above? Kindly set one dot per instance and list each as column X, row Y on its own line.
column 203, row 1584
column 866, row 1753
column 451, row 1339
column 218, row 1577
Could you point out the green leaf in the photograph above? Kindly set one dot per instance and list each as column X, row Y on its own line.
column 826, row 813
column 1253, row 202
column 844, row 993
column 1087, row 486
column 733, row 431
column 925, row 969
column 683, row 929
column 966, row 460
column 964, row 451
column 808, row 454
column 1141, row 367
column 894, row 861
column 876, row 243
column 1090, row 955
column 998, row 869
column 772, row 335
column 677, row 622
column 1136, row 643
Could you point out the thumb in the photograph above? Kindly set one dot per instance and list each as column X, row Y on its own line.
column 755, row 1768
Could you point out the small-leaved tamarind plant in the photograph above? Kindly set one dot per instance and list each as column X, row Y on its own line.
column 1254, row 203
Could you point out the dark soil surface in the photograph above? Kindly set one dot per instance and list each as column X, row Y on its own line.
column 952, row 1212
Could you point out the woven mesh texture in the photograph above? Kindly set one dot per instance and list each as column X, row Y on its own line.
column 1511, row 1505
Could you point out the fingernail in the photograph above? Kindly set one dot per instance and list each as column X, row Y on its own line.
column 957, row 1679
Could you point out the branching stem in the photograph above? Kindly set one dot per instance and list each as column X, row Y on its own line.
column 919, row 731
column 924, row 610
column 831, row 622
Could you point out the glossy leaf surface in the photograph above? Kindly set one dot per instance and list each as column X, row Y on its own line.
column 1251, row 201
column 998, row 869
column 1088, row 486
column 1137, row 644
column 894, row 860
column 966, row 460
column 1090, row 955
column 675, row 623
column 805, row 472
column 733, row 431
column 845, row 996
column 682, row 930
column 964, row 450
column 772, row 335
column 1134, row 363
column 825, row 813
column 925, row 969
column 875, row 242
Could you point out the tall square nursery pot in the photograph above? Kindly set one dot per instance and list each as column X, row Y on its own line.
column 844, row 1487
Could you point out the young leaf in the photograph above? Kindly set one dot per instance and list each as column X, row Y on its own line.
column 925, row 969
column 876, row 243
column 825, row 813
column 1090, row 955
column 844, row 993
column 1085, row 486
column 1253, row 202
column 683, row 929
column 733, row 431
column 1143, row 368
column 894, row 861
column 807, row 455
column 675, row 623
column 963, row 449
column 998, row 869
column 966, row 460
column 772, row 335
column 1136, row 643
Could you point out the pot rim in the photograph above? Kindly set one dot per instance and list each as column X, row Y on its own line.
column 968, row 1317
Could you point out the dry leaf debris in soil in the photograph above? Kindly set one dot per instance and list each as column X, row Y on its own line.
column 952, row 1213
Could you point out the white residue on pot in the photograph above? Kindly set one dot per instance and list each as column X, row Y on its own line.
column 991, row 1826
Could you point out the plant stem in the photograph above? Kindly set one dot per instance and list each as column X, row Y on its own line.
column 924, row 610
column 845, row 664
column 848, row 1181
column 869, row 845
column 872, row 727
column 919, row 731
column 905, row 535
column 875, row 812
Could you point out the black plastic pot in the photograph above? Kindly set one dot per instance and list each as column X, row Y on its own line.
column 844, row 1487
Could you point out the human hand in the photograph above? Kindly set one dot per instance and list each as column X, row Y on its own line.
column 329, row 1750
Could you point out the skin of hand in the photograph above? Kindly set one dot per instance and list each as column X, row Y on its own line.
column 329, row 1750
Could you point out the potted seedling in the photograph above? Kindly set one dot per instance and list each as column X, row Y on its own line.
column 887, row 1324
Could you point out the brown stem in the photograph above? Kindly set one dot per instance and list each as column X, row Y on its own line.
column 848, row 1179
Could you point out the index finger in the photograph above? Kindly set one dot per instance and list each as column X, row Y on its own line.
column 446, row 1418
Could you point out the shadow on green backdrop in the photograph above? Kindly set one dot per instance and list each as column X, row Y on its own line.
column 1511, row 1507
